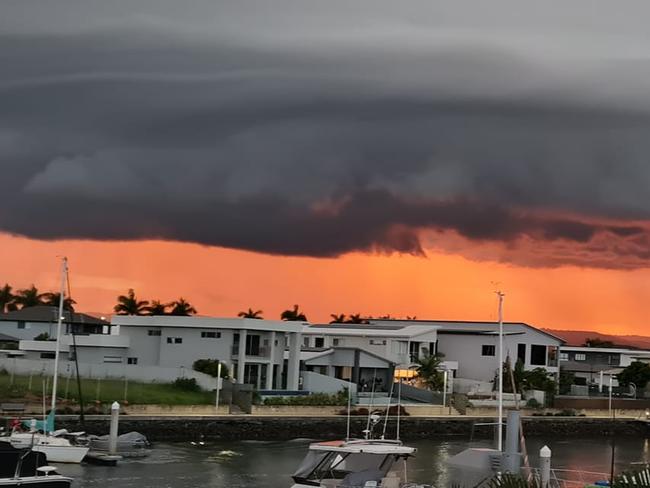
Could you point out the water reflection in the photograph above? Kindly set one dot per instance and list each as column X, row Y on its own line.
column 270, row 464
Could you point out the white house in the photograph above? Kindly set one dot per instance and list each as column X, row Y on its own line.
column 252, row 349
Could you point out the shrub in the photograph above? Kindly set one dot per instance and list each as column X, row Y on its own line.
column 43, row 336
column 211, row 367
column 316, row 399
column 533, row 403
column 186, row 384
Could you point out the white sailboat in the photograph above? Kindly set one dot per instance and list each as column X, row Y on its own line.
column 57, row 449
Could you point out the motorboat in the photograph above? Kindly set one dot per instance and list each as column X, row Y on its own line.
column 57, row 448
column 27, row 468
column 365, row 463
column 130, row 444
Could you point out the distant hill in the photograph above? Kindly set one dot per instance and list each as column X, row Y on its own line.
column 578, row 338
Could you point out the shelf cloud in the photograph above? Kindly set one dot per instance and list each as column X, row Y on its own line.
column 317, row 129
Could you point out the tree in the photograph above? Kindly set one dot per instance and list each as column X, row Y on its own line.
column 337, row 319
column 129, row 305
column 566, row 380
column 181, row 307
column 293, row 315
column 597, row 342
column 52, row 299
column 356, row 318
column 7, row 303
column 156, row 307
column 29, row 297
column 637, row 373
column 251, row 314
column 211, row 367
column 428, row 368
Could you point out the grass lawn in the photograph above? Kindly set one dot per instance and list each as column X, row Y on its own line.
column 104, row 390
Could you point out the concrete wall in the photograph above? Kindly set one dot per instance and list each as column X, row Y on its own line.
column 116, row 371
column 318, row 383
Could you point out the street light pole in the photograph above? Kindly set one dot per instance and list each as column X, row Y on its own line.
column 218, row 381
column 610, row 395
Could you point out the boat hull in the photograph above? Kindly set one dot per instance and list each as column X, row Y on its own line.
column 56, row 450
column 55, row 481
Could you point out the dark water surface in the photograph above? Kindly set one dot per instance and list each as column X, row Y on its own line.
column 255, row 464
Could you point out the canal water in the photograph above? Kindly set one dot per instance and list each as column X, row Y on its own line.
column 256, row 464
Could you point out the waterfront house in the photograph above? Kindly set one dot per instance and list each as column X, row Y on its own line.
column 31, row 322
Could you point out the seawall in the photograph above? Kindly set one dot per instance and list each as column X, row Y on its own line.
column 285, row 428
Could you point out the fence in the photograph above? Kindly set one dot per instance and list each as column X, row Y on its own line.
column 148, row 374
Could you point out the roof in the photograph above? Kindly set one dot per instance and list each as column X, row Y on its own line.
column 610, row 350
column 6, row 338
column 450, row 325
column 369, row 330
column 313, row 354
column 47, row 313
column 192, row 322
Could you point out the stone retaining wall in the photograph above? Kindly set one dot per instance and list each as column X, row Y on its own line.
column 284, row 428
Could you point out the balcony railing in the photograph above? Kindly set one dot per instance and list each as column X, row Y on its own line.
column 260, row 352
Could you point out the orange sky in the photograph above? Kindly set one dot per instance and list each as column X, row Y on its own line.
column 222, row 282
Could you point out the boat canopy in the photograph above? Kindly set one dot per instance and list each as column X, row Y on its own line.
column 348, row 460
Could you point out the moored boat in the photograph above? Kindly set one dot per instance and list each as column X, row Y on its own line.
column 28, row 468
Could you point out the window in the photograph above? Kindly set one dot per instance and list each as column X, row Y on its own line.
column 336, row 342
column 537, row 355
column 612, row 359
column 174, row 340
column 564, row 356
column 112, row 359
column 305, row 341
column 48, row 355
column 152, row 332
column 319, row 342
column 399, row 347
column 521, row 353
column 488, row 350
column 131, row 360
column 377, row 342
column 210, row 334
column 21, row 325
column 580, row 356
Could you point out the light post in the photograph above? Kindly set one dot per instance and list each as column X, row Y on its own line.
column 444, row 388
column 610, row 395
column 218, row 381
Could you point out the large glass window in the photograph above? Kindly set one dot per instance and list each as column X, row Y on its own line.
column 538, row 355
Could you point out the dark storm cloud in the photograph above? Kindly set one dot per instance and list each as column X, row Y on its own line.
column 321, row 130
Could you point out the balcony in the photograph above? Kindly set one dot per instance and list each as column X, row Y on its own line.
column 260, row 352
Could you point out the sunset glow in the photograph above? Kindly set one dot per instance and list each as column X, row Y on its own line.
column 222, row 282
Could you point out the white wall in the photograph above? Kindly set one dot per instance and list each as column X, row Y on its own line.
column 115, row 371
column 467, row 350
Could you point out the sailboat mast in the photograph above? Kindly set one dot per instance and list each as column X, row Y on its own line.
column 64, row 273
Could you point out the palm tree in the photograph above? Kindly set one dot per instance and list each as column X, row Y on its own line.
column 52, row 299
column 129, row 305
column 293, row 315
column 29, row 297
column 251, row 314
column 337, row 319
column 428, row 368
column 156, row 307
column 356, row 318
column 7, row 298
column 182, row 308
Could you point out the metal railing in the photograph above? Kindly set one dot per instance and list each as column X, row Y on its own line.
column 570, row 478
